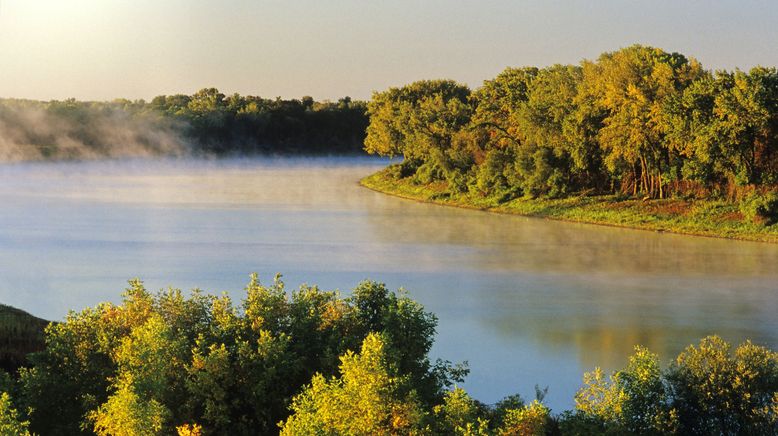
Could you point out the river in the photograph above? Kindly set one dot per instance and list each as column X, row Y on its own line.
column 525, row 301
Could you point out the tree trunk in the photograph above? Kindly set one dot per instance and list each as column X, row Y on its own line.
column 661, row 192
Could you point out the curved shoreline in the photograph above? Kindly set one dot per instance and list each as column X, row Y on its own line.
column 591, row 210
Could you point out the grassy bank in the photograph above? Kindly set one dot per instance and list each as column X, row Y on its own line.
column 711, row 218
column 20, row 334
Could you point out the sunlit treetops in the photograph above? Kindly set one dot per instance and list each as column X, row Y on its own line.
column 312, row 362
column 638, row 121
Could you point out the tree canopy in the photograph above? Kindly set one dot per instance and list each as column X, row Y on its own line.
column 207, row 122
column 313, row 362
column 638, row 121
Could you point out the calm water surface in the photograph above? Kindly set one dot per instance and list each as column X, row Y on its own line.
column 525, row 301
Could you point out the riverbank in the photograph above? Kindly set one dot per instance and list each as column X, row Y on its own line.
column 710, row 218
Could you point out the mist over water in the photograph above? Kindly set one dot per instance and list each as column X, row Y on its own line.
column 525, row 301
column 32, row 130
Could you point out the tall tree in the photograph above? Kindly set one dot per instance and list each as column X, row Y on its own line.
column 746, row 111
column 633, row 85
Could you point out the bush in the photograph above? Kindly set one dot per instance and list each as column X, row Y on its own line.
column 404, row 169
column 10, row 422
column 761, row 208
column 490, row 177
column 708, row 390
column 367, row 398
column 716, row 392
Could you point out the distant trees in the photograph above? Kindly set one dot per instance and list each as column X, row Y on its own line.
column 207, row 122
column 247, row 124
column 638, row 121
column 20, row 334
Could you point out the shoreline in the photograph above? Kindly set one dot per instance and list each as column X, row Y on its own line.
column 605, row 211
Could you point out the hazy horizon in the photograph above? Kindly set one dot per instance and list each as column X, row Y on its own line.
column 101, row 50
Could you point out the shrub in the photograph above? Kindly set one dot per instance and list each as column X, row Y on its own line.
column 761, row 208
column 368, row 398
column 10, row 422
column 716, row 392
column 708, row 390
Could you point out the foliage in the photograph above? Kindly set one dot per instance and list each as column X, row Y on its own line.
column 367, row 399
column 157, row 364
column 422, row 121
column 706, row 391
column 204, row 123
column 530, row 420
column 634, row 400
column 760, row 207
column 637, row 121
column 167, row 363
column 10, row 422
column 717, row 392
column 461, row 415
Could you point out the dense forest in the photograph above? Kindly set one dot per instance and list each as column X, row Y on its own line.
column 205, row 123
column 637, row 122
column 312, row 362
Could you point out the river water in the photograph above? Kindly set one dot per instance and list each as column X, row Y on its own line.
column 525, row 301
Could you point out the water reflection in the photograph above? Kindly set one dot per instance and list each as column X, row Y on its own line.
column 601, row 290
column 526, row 301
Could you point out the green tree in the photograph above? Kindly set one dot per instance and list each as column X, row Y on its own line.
column 746, row 111
column 692, row 132
column 377, row 401
column 530, row 420
column 408, row 332
column 632, row 85
column 149, row 360
column 71, row 376
column 420, row 122
column 716, row 392
column 460, row 415
column 499, row 102
column 634, row 400
column 550, row 161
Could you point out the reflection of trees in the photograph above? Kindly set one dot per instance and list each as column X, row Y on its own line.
column 596, row 290
column 606, row 340
column 516, row 244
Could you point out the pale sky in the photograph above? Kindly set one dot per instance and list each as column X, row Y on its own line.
column 104, row 49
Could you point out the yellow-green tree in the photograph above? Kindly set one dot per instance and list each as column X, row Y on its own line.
column 367, row 399
column 420, row 121
column 530, row 420
column 10, row 421
column 460, row 415
column 715, row 391
column 148, row 361
column 632, row 86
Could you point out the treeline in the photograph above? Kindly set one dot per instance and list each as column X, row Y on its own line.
column 205, row 123
column 315, row 363
column 638, row 121
column 248, row 124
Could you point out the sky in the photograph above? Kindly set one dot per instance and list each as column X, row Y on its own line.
column 106, row 49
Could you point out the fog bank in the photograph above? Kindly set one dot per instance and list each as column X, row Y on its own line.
column 31, row 130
